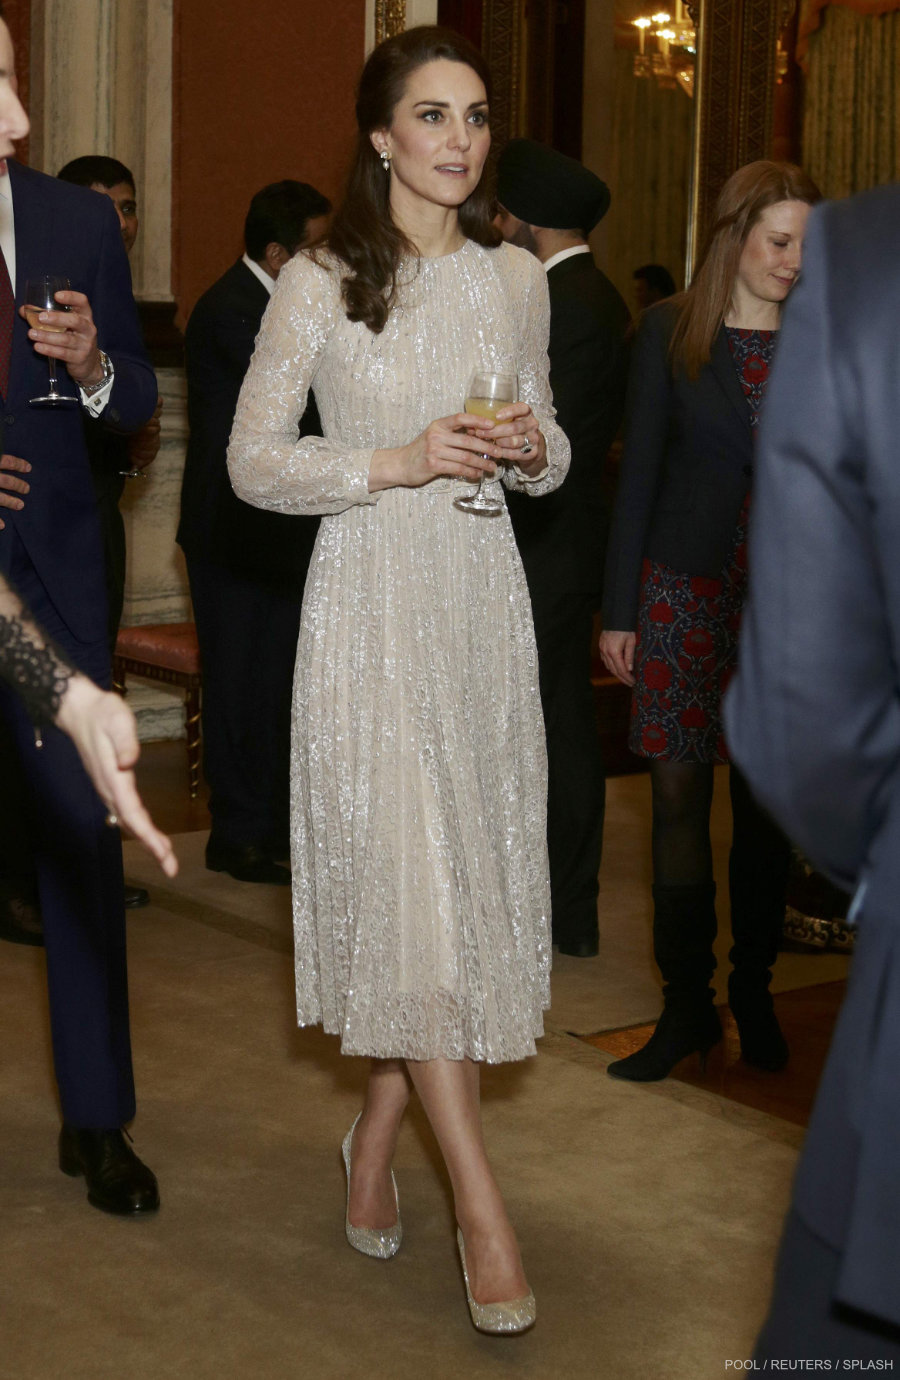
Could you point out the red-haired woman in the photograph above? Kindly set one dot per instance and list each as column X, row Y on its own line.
column 674, row 589
column 421, row 893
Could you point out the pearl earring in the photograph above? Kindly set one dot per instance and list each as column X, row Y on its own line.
column 385, row 160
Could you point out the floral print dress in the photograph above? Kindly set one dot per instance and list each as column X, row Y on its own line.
column 688, row 625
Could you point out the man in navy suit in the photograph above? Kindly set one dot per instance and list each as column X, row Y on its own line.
column 247, row 568
column 51, row 547
column 813, row 719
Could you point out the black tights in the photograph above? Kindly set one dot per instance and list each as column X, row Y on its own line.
column 682, row 853
column 757, row 866
column 682, row 798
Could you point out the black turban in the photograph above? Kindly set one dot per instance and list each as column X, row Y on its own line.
column 542, row 187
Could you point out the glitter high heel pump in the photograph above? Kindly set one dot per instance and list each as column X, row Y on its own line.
column 514, row 1315
column 378, row 1242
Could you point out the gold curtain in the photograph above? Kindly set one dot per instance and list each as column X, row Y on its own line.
column 649, row 175
column 811, row 15
column 851, row 113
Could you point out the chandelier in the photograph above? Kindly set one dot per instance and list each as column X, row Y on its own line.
column 672, row 57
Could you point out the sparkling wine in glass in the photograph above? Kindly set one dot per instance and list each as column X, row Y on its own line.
column 489, row 391
column 40, row 295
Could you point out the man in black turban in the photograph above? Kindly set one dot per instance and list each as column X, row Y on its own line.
column 549, row 204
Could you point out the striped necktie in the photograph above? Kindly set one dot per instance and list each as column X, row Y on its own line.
column 7, row 321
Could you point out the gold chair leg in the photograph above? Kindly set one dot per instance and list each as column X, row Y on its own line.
column 192, row 728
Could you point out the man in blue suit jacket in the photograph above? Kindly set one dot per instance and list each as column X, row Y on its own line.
column 51, row 547
column 813, row 719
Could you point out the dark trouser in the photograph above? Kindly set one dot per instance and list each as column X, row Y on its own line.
column 804, row 1322
column 576, row 796
column 18, row 876
column 758, row 867
column 79, row 870
column 247, row 631
column 113, row 527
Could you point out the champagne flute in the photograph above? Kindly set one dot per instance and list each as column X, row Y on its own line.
column 40, row 295
column 489, row 391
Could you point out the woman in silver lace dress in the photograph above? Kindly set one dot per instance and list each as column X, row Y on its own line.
column 421, row 904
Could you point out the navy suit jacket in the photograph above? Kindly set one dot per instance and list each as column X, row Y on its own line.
column 813, row 718
column 686, row 467
column 72, row 231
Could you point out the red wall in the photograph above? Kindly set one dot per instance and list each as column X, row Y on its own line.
column 262, row 91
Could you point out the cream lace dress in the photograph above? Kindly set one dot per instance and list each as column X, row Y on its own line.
column 418, row 772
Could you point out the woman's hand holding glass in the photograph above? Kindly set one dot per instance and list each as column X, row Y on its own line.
column 462, row 447
column 447, row 449
column 516, row 426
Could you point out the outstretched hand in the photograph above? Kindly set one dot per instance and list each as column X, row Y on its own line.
column 103, row 730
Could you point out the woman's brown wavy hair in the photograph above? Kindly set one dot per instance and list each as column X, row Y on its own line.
column 704, row 306
column 362, row 234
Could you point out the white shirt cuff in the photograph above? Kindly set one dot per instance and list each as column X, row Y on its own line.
column 96, row 402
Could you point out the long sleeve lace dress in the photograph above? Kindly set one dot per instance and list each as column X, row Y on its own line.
column 29, row 662
column 418, row 773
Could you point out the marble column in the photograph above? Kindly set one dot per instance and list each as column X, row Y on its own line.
column 104, row 85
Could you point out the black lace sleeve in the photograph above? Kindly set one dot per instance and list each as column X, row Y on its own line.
column 29, row 661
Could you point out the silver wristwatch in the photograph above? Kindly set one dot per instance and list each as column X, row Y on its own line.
column 89, row 389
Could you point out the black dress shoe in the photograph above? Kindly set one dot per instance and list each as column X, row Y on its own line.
column 136, row 896
column 117, row 1181
column 20, row 921
column 586, row 947
column 248, row 863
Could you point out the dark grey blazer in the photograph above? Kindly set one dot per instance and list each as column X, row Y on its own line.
column 686, row 467
column 814, row 715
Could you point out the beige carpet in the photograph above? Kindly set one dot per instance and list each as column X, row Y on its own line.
column 648, row 1216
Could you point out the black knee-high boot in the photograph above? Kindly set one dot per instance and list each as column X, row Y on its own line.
column 684, row 928
column 757, row 876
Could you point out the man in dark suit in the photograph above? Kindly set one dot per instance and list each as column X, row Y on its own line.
column 549, row 205
column 51, row 548
column 113, row 456
column 246, row 567
column 813, row 719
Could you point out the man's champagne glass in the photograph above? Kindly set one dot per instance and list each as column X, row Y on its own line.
column 40, row 295
column 489, row 391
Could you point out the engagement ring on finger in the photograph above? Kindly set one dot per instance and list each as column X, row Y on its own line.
column 112, row 820
column 527, row 447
